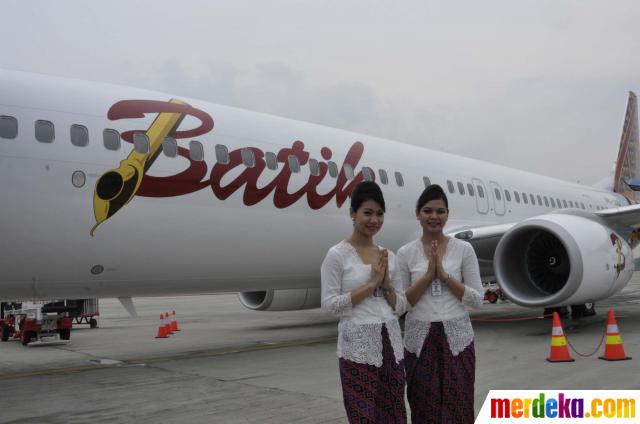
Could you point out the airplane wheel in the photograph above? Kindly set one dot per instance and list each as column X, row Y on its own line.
column 5, row 332
column 492, row 297
column 27, row 337
column 93, row 323
column 589, row 309
column 65, row 334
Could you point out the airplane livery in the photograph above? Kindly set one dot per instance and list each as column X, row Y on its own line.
column 112, row 191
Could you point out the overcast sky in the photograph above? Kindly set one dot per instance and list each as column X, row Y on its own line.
column 539, row 85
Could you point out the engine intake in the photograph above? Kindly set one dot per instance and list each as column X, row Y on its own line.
column 561, row 259
column 281, row 300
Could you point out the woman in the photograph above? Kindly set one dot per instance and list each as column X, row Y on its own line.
column 441, row 278
column 359, row 285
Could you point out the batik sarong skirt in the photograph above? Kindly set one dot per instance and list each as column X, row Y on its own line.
column 440, row 385
column 374, row 394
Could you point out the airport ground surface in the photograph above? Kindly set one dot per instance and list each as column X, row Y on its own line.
column 232, row 365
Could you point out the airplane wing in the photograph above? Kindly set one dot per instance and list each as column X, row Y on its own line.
column 484, row 241
column 624, row 216
column 624, row 220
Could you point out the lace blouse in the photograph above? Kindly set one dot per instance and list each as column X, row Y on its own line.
column 360, row 327
column 460, row 262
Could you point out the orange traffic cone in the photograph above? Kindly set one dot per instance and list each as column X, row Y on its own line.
column 613, row 349
column 167, row 324
column 559, row 349
column 174, row 323
column 162, row 331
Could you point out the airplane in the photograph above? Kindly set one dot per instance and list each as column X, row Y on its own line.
column 113, row 191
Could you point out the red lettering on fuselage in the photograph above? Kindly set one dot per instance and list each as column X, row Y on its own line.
column 191, row 179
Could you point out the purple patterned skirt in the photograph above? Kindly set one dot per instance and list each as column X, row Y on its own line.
column 440, row 385
column 371, row 394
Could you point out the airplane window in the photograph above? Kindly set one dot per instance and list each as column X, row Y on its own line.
column 348, row 171
column 111, row 139
column 8, row 127
column 524, row 198
column 333, row 169
column 497, row 192
column 383, row 176
column 517, row 196
column 196, row 151
column 582, row 205
column 426, row 181
column 222, row 154
column 314, row 168
column 533, row 200
column 507, row 195
column 570, row 203
column 553, row 203
column 79, row 135
column 272, row 160
column 450, row 186
column 248, row 158
column 366, row 174
column 564, row 202
column 480, row 191
column 45, row 131
column 460, row 188
column 141, row 143
column 539, row 200
column 399, row 179
column 470, row 189
column 558, row 202
column 546, row 201
column 170, row 147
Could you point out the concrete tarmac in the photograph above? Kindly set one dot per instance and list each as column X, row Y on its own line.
column 233, row 365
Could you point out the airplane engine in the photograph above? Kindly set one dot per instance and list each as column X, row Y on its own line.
column 281, row 300
column 561, row 259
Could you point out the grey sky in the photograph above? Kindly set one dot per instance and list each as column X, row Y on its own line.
column 535, row 84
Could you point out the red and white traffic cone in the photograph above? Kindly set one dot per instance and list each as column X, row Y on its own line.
column 174, row 323
column 162, row 330
column 559, row 350
column 167, row 324
column 613, row 348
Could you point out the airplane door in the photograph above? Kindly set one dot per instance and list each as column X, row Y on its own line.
column 482, row 199
column 498, row 197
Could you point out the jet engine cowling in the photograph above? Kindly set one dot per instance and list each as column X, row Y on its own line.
column 561, row 259
column 281, row 300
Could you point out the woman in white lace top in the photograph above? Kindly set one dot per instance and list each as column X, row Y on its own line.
column 359, row 285
column 441, row 278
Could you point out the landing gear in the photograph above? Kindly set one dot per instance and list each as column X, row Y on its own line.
column 583, row 310
column 577, row 311
column 563, row 312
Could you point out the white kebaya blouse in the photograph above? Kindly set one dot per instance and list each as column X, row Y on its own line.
column 360, row 327
column 461, row 263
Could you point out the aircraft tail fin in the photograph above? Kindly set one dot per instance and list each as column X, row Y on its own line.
column 627, row 171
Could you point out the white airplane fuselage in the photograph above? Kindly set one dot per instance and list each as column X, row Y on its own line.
column 168, row 240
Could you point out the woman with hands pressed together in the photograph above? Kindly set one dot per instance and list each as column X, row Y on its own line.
column 441, row 278
column 359, row 285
